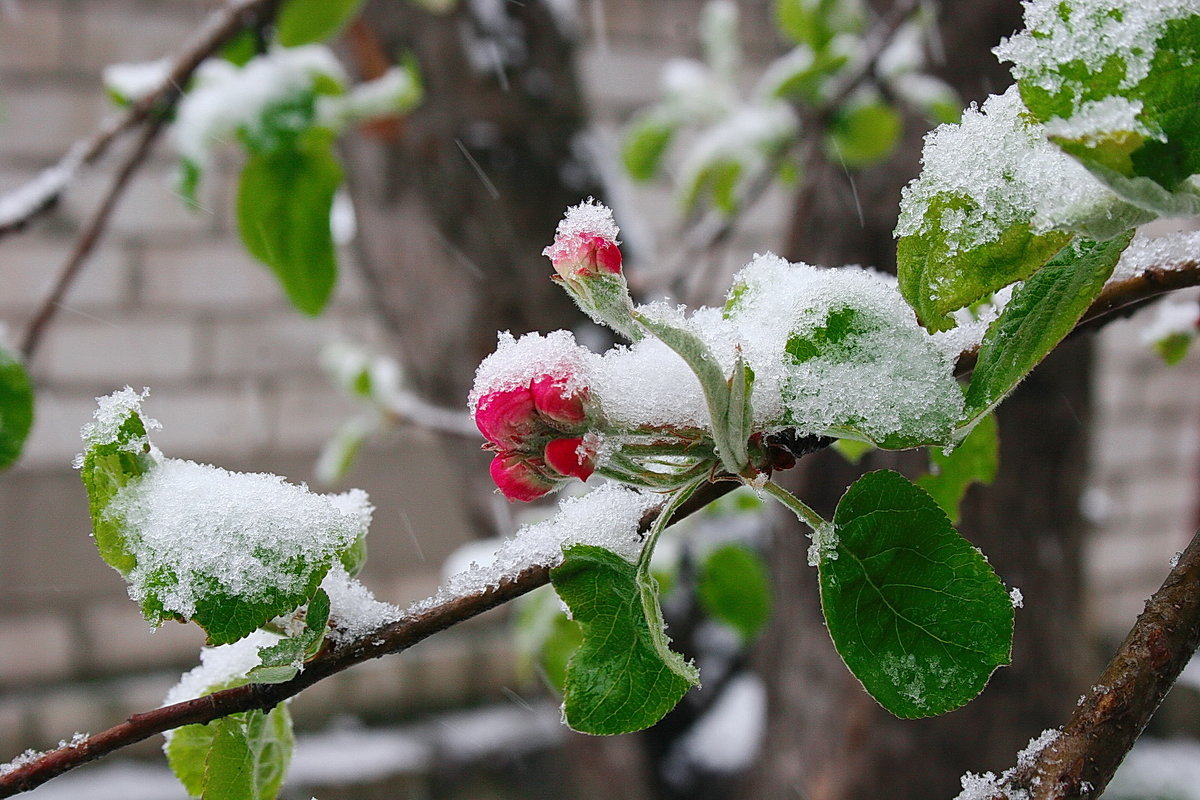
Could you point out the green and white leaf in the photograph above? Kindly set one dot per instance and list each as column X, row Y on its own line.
column 281, row 661
column 227, row 550
column 1115, row 82
column 994, row 201
column 914, row 610
column 624, row 676
column 1040, row 314
column 16, row 407
column 974, row 460
column 284, row 201
column 734, row 588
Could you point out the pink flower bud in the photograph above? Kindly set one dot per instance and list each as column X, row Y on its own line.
column 571, row 457
column 552, row 400
column 518, row 479
column 584, row 255
column 506, row 417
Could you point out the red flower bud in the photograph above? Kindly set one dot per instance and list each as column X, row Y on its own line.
column 552, row 400
column 571, row 457
column 518, row 479
column 506, row 417
column 584, row 254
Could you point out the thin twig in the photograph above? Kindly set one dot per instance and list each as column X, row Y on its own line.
column 1081, row 761
column 88, row 238
column 221, row 26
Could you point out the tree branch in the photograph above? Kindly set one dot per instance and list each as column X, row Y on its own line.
column 1081, row 761
column 18, row 208
column 89, row 237
column 394, row 637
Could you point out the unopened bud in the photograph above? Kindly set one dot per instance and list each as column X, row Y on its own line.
column 571, row 457
column 556, row 402
column 506, row 417
column 518, row 479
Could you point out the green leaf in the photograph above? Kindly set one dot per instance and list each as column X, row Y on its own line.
column 283, row 205
column 734, row 587
column 16, row 407
column 914, row 610
column 728, row 400
column 645, row 144
column 624, row 677
column 1131, row 118
column 240, row 757
column 107, row 468
column 1174, row 348
column 306, row 21
column 937, row 277
column 1041, row 312
column 281, row 661
column 241, row 48
column 816, row 22
column 227, row 617
column 852, row 450
column 864, row 134
column 975, row 460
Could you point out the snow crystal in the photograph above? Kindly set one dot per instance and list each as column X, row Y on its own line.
column 1094, row 31
column 1002, row 172
column 609, row 517
column 1173, row 251
column 29, row 756
column 1112, row 113
column 728, row 737
column 1172, row 317
column 133, row 81
column 220, row 666
column 516, row 362
column 111, row 412
column 353, row 607
column 588, row 218
column 225, row 98
column 1018, row 600
column 239, row 532
column 989, row 785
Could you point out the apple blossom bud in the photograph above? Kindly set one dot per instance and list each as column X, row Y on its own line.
column 579, row 255
column 552, row 399
column 571, row 457
column 518, row 479
column 506, row 417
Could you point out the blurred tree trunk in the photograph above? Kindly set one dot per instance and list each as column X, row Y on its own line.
column 826, row 739
column 455, row 204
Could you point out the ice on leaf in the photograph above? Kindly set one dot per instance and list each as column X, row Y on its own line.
column 994, row 202
column 1115, row 83
column 227, row 550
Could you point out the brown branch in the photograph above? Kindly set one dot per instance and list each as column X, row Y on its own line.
column 391, row 638
column 1081, row 761
column 88, row 238
column 221, row 26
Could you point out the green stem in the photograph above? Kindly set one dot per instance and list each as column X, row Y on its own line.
column 680, row 497
column 806, row 515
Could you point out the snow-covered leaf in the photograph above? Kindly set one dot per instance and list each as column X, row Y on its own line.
column 914, row 610
column 281, row 661
column 16, row 407
column 1041, row 312
column 1115, row 82
column 624, row 677
column 283, row 206
column 974, row 460
column 306, row 21
column 735, row 588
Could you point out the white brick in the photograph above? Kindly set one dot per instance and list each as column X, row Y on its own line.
column 43, row 121
column 211, row 423
column 282, row 343
column 214, row 275
column 150, row 209
column 119, row 638
column 30, row 266
column 31, row 36
column 137, row 351
column 120, row 30
column 304, row 413
column 34, row 647
column 54, row 440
